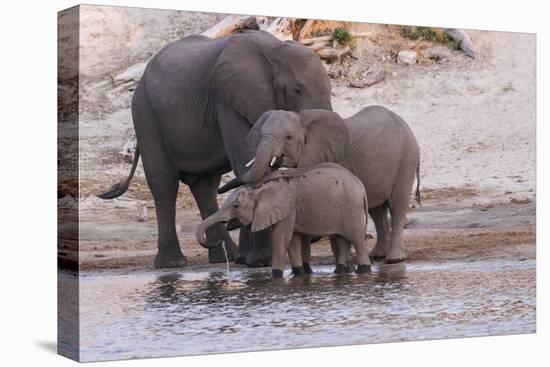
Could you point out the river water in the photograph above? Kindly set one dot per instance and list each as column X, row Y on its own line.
column 196, row 311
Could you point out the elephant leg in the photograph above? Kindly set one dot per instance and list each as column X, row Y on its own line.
column 162, row 179
column 260, row 249
column 203, row 189
column 335, row 249
column 254, row 248
column 245, row 246
column 295, row 255
column 169, row 254
column 306, row 254
column 379, row 216
column 359, row 243
column 343, row 263
column 282, row 235
column 399, row 205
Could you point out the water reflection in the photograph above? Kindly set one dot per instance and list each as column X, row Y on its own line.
column 192, row 312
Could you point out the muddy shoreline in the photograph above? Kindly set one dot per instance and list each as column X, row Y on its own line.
column 505, row 231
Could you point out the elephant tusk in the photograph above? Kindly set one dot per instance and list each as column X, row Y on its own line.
column 250, row 163
column 272, row 161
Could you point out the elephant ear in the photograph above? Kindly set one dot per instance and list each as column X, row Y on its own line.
column 327, row 137
column 255, row 134
column 272, row 205
column 243, row 76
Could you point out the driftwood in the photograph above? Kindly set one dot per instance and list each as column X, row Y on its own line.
column 313, row 27
column 466, row 44
column 309, row 41
column 306, row 29
column 372, row 78
column 330, row 37
column 281, row 28
column 229, row 25
column 317, row 46
column 333, row 54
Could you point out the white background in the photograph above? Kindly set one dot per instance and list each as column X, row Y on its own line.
column 28, row 182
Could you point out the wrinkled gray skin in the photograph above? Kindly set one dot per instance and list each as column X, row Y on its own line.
column 375, row 144
column 192, row 111
column 323, row 200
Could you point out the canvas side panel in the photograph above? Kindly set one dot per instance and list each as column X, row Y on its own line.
column 67, row 183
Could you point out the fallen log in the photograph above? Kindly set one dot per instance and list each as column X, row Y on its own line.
column 330, row 37
column 309, row 41
column 371, row 79
column 229, row 25
column 333, row 54
column 317, row 46
column 314, row 27
column 281, row 28
column 465, row 43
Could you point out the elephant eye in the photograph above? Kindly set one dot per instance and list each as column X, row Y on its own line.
column 236, row 206
column 297, row 90
column 288, row 137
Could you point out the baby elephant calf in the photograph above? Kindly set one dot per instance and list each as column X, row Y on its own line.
column 322, row 200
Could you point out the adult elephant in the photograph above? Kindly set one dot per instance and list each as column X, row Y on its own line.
column 192, row 110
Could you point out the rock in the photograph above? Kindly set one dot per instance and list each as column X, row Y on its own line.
column 406, row 57
column 329, row 54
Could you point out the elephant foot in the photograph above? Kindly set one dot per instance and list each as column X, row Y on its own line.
column 395, row 261
column 307, row 268
column 342, row 269
column 377, row 258
column 395, row 255
column 259, row 263
column 218, row 254
column 276, row 274
column 363, row 268
column 240, row 260
column 175, row 260
column 258, row 259
column 298, row 271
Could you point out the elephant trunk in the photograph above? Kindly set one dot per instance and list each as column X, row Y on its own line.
column 219, row 216
column 265, row 157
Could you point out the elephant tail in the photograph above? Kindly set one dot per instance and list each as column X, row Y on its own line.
column 366, row 208
column 121, row 187
column 417, row 194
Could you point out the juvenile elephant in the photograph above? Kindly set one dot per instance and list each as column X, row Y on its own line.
column 323, row 200
column 375, row 144
column 192, row 111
